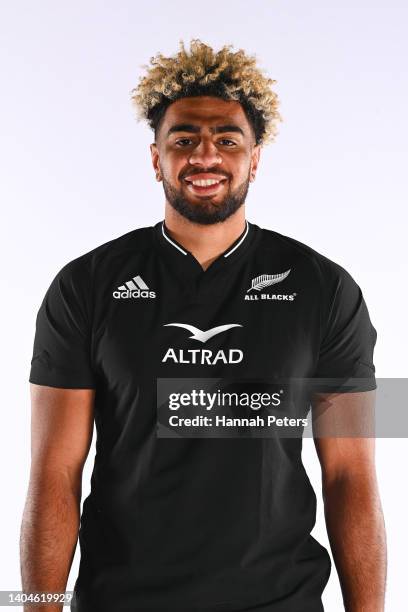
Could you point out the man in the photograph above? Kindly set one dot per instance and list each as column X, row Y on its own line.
column 193, row 522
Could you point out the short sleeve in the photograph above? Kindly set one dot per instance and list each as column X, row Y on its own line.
column 62, row 342
column 348, row 338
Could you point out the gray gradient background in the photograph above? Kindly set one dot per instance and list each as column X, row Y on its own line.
column 76, row 172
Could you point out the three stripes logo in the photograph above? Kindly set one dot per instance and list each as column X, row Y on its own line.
column 135, row 288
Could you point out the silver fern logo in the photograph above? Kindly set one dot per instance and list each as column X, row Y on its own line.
column 265, row 280
column 261, row 282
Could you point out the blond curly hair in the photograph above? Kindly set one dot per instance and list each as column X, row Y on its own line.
column 226, row 74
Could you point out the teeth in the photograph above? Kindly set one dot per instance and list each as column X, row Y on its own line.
column 205, row 182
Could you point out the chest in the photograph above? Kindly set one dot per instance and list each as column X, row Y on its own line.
column 237, row 325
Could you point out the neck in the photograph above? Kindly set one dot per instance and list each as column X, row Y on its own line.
column 205, row 242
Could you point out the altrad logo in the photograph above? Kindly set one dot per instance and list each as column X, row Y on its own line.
column 203, row 356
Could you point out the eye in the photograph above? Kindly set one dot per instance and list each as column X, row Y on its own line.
column 186, row 141
column 227, row 140
column 181, row 140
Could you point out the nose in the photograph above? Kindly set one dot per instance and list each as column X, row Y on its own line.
column 205, row 154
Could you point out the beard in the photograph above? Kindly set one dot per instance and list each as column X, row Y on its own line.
column 205, row 211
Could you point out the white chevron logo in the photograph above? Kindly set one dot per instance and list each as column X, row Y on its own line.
column 136, row 283
column 201, row 335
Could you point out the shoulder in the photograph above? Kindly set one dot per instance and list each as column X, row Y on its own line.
column 84, row 267
column 312, row 263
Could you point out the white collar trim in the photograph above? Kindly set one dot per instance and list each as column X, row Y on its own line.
column 240, row 242
column 171, row 241
column 225, row 254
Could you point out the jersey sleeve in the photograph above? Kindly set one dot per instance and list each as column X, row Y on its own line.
column 62, row 341
column 348, row 337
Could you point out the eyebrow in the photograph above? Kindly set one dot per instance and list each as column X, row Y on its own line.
column 189, row 127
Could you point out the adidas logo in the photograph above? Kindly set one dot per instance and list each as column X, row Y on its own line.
column 135, row 288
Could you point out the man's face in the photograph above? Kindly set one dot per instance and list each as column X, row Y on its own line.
column 205, row 138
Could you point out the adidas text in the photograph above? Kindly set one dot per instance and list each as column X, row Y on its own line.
column 138, row 293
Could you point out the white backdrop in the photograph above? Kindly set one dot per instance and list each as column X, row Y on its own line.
column 76, row 172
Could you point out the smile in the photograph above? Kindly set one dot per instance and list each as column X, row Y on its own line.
column 205, row 186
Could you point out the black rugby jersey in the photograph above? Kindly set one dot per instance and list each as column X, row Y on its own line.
column 196, row 523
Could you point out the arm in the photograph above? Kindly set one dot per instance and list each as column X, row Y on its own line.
column 353, row 513
column 61, row 434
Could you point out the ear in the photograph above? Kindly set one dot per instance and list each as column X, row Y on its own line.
column 155, row 160
column 255, row 155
